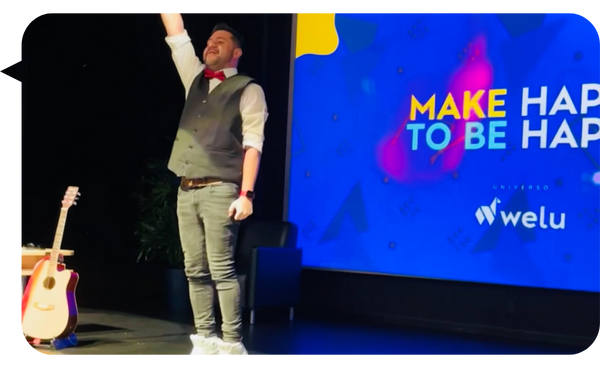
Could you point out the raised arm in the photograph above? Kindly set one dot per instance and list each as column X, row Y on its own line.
column 182, row 51
column 173, row 24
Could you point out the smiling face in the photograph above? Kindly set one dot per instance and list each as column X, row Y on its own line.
column 221, row 51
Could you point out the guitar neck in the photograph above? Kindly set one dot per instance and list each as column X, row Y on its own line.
column 58, row 238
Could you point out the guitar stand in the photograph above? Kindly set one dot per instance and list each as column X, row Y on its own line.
column 56, row 344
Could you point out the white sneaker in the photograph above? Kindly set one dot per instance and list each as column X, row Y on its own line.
column 229, row 348
column 205, row 345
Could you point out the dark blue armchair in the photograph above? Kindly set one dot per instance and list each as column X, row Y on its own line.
column 268, row 265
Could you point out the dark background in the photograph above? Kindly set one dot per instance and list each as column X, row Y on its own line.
column 101, row 96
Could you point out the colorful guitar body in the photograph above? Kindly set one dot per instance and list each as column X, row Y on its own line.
column 49, row 307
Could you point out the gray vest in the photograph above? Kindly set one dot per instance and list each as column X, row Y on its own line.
column 209, row 140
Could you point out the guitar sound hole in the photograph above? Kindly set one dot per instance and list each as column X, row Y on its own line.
column 49, row 282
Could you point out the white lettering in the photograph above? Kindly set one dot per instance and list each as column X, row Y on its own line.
column 560, row 225
column 586, row 131
column 534, row 101
column 568, row 138
column 529, row 219
column 563, row 96
column 510, row 217
column 542, row 215
column 527, row 133
column 585, row 96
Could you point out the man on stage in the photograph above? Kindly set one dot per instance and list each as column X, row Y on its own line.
column 216, row 154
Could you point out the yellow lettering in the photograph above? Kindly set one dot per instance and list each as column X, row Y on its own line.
column 449, row 108
column 472, row 103
column 493, row 103
column 416, row 105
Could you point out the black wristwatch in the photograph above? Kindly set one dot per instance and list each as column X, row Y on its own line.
column 247, row 193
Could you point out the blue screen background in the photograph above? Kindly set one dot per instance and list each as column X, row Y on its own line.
column 364, row 201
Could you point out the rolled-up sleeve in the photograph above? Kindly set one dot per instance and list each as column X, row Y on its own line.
column 253, row 107
column 184, row 56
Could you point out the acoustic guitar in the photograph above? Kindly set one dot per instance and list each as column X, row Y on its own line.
column 49, row 308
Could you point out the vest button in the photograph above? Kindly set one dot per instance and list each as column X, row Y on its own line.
column 200, row 115
column 204, row 101
column 195, row 130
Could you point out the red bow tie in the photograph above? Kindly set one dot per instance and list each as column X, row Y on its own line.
column 209, row 74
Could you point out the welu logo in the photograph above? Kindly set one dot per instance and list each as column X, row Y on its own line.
column 528, row 219
column 533, row 132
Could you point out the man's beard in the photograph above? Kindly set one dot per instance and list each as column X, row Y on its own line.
column 218, row 60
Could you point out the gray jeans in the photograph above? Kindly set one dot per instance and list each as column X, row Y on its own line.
column 208, row 237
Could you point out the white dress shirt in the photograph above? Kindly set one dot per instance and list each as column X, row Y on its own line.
column 253, row 106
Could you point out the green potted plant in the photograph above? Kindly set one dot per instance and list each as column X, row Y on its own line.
column 157, row 235
column 156, row 231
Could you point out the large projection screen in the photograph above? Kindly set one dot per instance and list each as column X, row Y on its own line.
column 449, row 146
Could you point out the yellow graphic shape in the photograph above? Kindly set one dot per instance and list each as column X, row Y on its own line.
column 316, row 34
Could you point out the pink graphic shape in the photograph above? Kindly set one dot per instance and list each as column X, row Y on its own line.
column 475, row 74
column 404, row 165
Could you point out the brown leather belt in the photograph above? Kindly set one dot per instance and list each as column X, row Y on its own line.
column 195, row 183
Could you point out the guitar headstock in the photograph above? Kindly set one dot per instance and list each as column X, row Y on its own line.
column 71, row 196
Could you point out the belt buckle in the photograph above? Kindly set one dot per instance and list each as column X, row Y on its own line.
column 186, row 184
